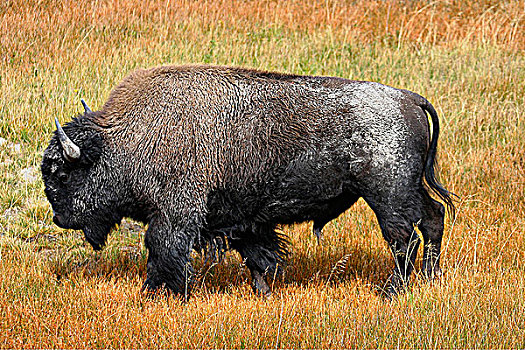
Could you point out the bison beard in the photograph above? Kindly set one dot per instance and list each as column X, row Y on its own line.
column 215, row 157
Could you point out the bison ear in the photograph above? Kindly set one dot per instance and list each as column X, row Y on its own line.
column 86, row 108
column 71, row 151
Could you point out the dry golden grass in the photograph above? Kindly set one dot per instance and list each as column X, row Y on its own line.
column 464, row 56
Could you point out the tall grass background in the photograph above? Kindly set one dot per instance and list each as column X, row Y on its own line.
column 466, row 57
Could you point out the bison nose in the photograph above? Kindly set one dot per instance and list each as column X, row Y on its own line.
column 57, row 219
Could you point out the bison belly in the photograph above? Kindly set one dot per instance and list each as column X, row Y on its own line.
column 300, row 192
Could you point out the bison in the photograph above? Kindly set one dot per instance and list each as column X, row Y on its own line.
column 215, row 158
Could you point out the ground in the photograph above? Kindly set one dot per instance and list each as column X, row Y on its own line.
column 466, row 57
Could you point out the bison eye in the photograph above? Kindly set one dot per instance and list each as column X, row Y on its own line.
column 63, row 177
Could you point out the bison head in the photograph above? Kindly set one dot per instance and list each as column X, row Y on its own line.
column 77, row 183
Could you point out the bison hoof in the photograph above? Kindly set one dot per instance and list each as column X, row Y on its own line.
column 153, row 289
column 394, row 286
column 259, row 284
column 433, row 274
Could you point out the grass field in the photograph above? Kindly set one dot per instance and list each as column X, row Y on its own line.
column 466, row 57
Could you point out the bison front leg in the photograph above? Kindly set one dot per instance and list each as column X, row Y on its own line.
column 169, row 264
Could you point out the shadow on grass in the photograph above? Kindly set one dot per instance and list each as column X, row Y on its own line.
column 302, row 269
column 112, row 263
column 373, row 267
column 322, row 267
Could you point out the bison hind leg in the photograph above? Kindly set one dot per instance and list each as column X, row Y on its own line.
column 399, row 229
column 398, row 215
column 331, row 210
column 432, row 231
column 263, row 250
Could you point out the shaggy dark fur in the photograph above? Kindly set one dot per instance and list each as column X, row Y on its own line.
column 215, row 157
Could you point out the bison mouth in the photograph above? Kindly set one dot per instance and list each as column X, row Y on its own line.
column 62, row 222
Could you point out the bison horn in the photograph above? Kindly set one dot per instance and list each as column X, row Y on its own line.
column 86, row 108
column 71, row 151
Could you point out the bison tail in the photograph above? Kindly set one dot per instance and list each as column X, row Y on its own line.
column 431, row 161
